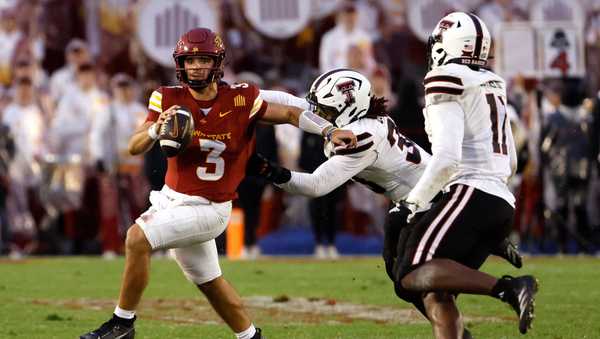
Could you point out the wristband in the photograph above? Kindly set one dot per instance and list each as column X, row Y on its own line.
column 329, row 133
column 312, row 123
column 152, row 132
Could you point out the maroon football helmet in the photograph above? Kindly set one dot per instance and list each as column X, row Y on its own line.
column 199, row 42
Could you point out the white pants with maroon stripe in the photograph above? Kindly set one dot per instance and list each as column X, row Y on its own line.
column 188, row 225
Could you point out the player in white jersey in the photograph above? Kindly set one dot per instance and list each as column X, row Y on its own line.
column 384, row 159
column 473, row 155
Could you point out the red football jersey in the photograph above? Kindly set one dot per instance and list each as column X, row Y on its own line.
column 214, row 163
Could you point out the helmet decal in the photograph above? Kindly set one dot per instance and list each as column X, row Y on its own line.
column 340, row 96
column 347, row 88
column 219, row 42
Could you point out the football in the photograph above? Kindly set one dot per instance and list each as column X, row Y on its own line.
column 176, row 133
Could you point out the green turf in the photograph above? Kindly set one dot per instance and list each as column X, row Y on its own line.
column 31, row 292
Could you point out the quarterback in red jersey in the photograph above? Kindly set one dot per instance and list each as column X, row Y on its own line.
column 194, row 206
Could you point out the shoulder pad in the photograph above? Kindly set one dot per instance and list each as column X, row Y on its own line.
column 444, row 83
column 443, row 80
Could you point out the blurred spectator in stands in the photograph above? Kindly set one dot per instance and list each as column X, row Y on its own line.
column 370, row 14
column 70, row 138
column 7, row 151
column 122, row 187
column 117, row 26
column 10, row 35
column 251, row 188
column 244, row 44
column 592, row 48
column 566, row 151
column 26, row 67
column 357, row 60
column 381, row 86
column 402, row 53
column 28, row 15
column 333, row 51
column 60, row 22
column 595, row 189
column 76, row 54
column 25, row 121
column 493, row 12
column 323, row 210
column 596, row 132
column 128, row 114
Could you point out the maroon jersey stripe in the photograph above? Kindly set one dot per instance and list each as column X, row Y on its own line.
column 445, row 90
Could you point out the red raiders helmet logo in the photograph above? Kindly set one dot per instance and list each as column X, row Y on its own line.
column 445, row 24
column 347, row 88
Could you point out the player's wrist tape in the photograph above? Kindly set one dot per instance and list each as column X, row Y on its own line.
column 152, row 132
column 312, row 123
column 329, row 133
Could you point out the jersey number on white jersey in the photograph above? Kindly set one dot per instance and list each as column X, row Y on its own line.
column 497, row 114
column 394, row 137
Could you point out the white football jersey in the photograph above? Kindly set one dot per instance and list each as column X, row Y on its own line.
column 398, row 162
column 488, row 151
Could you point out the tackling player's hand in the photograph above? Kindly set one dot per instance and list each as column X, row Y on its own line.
column 342, row 137
column 260, row 166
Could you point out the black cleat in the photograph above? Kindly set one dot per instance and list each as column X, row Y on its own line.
column 466, row 334
column 509, row 252
column 112, row 329
column 521, row 296
column 258, row 334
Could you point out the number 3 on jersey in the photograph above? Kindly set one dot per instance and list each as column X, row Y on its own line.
column 497, row 114
column 215, row 164
column 412, row 153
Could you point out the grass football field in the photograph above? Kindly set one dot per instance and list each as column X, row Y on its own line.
column 287, row 297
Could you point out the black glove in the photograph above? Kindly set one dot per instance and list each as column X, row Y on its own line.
column 100, row 167
column 260, row 166
column 395, row 223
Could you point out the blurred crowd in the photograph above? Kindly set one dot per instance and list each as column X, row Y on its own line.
column 74, row 85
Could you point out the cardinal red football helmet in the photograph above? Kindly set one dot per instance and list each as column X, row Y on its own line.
column 199, row 42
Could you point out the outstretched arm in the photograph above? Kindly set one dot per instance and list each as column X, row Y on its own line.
column 327, row 177
column 279, row 111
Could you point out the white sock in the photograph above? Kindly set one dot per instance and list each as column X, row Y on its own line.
column 121, row 313
column 247, row 333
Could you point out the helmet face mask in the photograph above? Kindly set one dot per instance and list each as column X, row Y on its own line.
column 459, row 38
column 440, row 56
column 199, row 42
column 340, row 96
column 325, row 112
